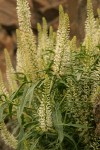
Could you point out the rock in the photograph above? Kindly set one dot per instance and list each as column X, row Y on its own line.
column 8, row 12
column 9, row 42
column 49, row 9
column 82, row 14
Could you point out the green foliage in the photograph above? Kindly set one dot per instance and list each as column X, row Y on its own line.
column 51, row 94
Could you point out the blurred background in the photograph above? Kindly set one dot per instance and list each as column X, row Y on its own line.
column 39, row 8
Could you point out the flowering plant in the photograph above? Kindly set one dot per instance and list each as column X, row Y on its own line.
column 53, row 90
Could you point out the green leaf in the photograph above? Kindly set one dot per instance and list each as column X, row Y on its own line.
column 20, row 142
column 57, row 119
column 18, row 92
column 75, row 125
column 29, row 94
column 10, row 109
column 71, row 140
column 27, row 97
column 2, row 108
column 23, row 102
column 33, row 146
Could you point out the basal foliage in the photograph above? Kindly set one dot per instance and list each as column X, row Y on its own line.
column 53, row 90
